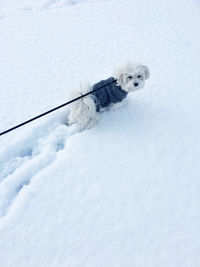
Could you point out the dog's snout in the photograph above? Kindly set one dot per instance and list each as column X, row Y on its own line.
column 136, row 84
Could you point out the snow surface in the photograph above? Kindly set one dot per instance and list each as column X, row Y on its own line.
column 126, row 192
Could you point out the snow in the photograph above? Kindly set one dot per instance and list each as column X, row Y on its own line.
column 126, row 192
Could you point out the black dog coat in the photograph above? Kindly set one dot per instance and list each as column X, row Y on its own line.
column 110, row 94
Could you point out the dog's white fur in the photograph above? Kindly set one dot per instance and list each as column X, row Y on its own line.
column 130, row 77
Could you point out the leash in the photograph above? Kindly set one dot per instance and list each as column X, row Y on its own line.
column 53, row 109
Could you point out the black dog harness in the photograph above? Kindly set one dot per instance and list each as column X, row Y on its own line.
column 110, row 94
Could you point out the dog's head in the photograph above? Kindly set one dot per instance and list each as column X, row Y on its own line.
column 132, row 77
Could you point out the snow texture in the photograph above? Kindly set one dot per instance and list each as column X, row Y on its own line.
column 126, row 192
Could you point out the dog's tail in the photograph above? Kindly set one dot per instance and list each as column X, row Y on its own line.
column 83, row 111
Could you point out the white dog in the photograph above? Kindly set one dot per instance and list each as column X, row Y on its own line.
column 85, row 111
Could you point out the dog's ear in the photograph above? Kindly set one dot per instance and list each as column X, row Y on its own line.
column 146, row 71
column 120, row 78
column 119, row 75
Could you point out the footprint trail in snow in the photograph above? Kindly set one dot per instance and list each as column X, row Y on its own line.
column 25, row 158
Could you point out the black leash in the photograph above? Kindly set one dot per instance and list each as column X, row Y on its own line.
column 51, row 110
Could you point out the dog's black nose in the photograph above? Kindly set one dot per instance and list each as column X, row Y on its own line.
column 136, row 84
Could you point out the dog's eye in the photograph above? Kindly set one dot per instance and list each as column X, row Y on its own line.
column 139, row 76
column 130, row 77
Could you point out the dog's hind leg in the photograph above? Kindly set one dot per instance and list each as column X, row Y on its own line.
column 83, row 112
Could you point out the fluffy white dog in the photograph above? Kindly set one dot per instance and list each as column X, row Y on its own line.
column 85, row 111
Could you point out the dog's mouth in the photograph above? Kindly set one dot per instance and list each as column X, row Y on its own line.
column 135, row 86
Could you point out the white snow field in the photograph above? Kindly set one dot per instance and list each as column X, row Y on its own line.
column 126, row 192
